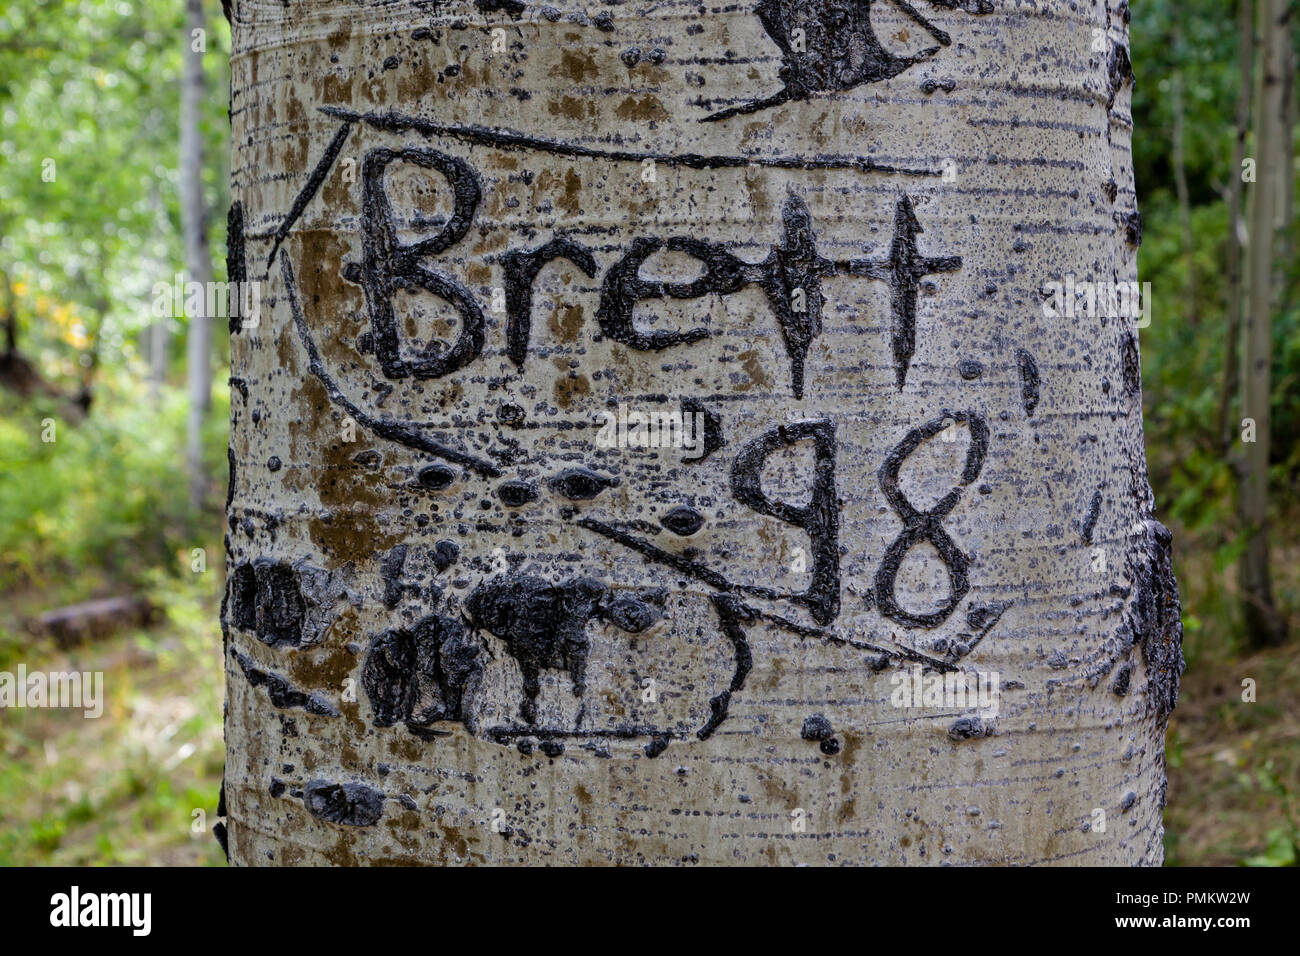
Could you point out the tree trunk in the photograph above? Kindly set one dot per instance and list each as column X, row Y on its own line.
column 1191, row 301
column 1264, row 624
column 1226, row 430
column 473, row 615
column 198, row 256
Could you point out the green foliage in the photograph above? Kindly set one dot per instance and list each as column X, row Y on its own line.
column 106, row 494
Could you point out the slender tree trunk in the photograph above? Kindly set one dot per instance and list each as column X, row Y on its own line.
column 486, row 605
column 1227, row 430
column 1190, row 300
column 198, row 256
column 1264, row 624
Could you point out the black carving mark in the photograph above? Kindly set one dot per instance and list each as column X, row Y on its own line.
column 1131, row 364
column 839, row 49
column 732, row 613
column 515, row 494
column 521, row 269
column 309, row 190
column 544, row 625
column 702, row 572
column 389, row 266
column 1090, row 519
column 682, row 521
column 1028, row 380
column 580, row 484
column 283, row 694
column 510, row 140
column 718, row 581
column 790, row 277
column 399, row 432
column 265, row 600
column 623, row 288
column 903, row 271
column 712, row 437
column 657, row 746
column 927, row 525
column 236, row 265
column 351, row 804
column 230, row 481
column 970, row 369
column 819, row 518
column 792, row 280
column 422, row 675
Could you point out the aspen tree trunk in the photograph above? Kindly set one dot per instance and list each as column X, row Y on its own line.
column 1264, row 624
column 1225, row 428
column 198, row 254
column 668, row 438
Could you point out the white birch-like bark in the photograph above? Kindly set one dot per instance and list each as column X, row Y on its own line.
column 461, row 629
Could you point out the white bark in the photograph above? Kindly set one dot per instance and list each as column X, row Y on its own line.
column 381, row 627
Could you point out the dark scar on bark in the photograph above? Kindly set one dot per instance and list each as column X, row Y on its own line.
column 510, row 140
column 1131, row 364
column 1090, row 519
column 515, row 8
column 1132, row 223
column 580, row 484
column 682, row 521
column 389, row 266
column 521, row 270
column 283, row 694
column 350, row 804
column 927, row 525
column 1119, row 69
column 309, row 190
column 392, row 430
column 236, row 265
column 981, row 620
column 1154, row 615
column 391, row 565
column 839, row 49
column 230, row 480
column 515, row 494
column 1029, row 380
column 544, row 625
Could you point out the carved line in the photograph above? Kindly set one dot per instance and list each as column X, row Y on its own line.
column 508, row 139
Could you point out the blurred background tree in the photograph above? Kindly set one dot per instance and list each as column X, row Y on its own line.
column 92, row 217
